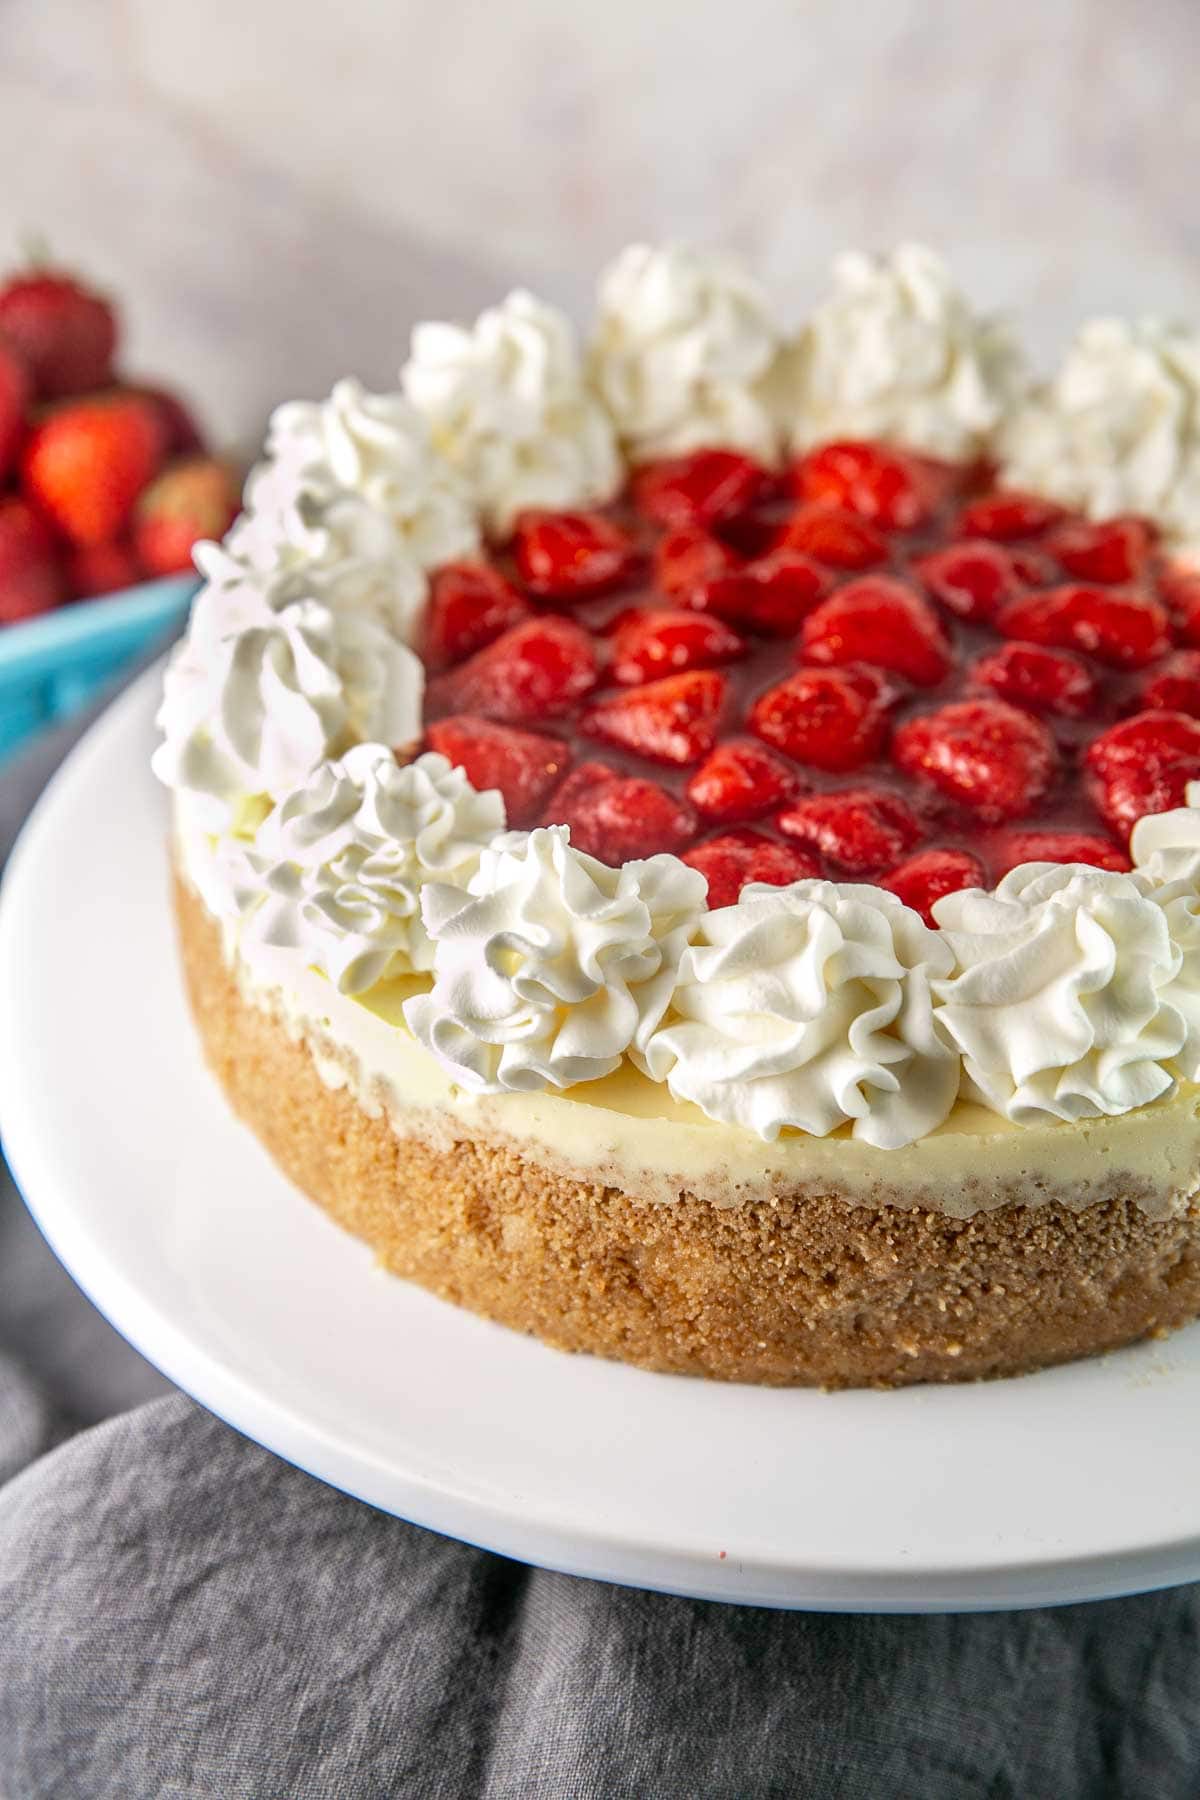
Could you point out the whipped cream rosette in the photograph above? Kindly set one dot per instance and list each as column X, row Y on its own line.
column 552, row 967
column 808, row 1007
column 509, row 408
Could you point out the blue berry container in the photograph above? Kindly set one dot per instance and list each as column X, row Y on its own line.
column 52, row 666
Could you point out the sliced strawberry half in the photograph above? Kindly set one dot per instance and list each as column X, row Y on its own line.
column 886, row 486
column 650, row 644
column 835, row 537
column 930, row 875
column 741, row 780
column 1008, row 850
column 1124, row 629
column 1113, row 551
column 862, row 829
column 701, row 488
column 1043, row 680
column 971, row 580
column 882, row 622
column 671, row 721
column 572, row 555
column 532, row 671
column 619, row 818
column 470, row 604
column 729, row 863
column 1008, row 515
column 1143, row 765
column 524, row 765
column 834, row 719
column 984, row 754
column 773, row 594
column 1174, row 686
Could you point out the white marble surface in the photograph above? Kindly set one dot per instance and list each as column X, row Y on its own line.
column 280, row 189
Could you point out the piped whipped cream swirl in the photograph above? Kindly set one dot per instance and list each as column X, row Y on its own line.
column 897, row 352
column 684, row 353
column 552, row 966
column 1165, row 848
column 1063, row 1001
column 808, row 1007
column 509, row 409
column 337, row 868
column 1118, row 428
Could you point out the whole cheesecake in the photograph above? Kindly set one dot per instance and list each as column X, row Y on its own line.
column 682, row 843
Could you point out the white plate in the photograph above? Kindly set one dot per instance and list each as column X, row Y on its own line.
column 1069, row 1485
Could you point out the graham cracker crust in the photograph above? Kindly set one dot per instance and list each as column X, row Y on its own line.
column 809, row 1291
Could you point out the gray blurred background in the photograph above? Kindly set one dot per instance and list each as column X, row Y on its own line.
column 277, row 190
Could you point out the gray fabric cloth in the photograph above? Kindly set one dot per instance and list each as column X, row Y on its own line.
column 182, row 1614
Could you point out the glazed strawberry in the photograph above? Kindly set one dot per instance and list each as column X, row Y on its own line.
column 1043, row 680
column 86, row 463
column 883, row 622
column 971, row 580
column 31, row 580
column 1005, row 516
column 729, row 863
column 1143, row 765
column 837, row 538
column 832, row 719
column 93, row 569
column 741, row 780
column 1124, row 629
column 1007, row 850
column 1116, row 550
column 673, row 721
column 687, row 558
column 532, row 671
column 197, row 497
column 649, row 644
column 880, row 484
column 700, row 488
column 182, row 435
column 773, row 594
column 15, row 394
column 930, row 875
column 984, row 754
column 1180, row 590
column 470, row 604
column 1173, row 685
column 570, row 555
column 860, row 829
column 65, row 333
column 525, row 766
column 618, row 818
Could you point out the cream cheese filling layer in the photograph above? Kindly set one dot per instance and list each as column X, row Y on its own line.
column 627, row 1132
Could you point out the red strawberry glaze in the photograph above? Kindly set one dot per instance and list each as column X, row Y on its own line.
column 871, row 669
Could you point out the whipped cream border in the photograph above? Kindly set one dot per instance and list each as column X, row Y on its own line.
column 546, row 969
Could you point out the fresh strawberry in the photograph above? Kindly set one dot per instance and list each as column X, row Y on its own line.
column 886, row 486
column 971, row 580
column 66, row 333
column 525, row 766
column 15, row 394
column 883, row 622
column 673, row 721
column 619, row 818
column 31, row 580
column 687, row 558
column 571, row 555
column 839, row 539
column 729, row 863
column 773, row 594
column 828, row 718
column 87, row 461
column 101, row 569
column 1116, row 550
column 470, row 604
column 1173, row 685
column 649, row 644
column 1008, row 850
column 1005, row 516
column 741, row 780
column 1143, row 765
column 860, row 829
column 198, row 497
column 700, row 488
column 182, row 435
column 1180, row 589
column 930, row 875
column 1126, row 630
column 1043, row 680
column 983, row 754
column 532, row 671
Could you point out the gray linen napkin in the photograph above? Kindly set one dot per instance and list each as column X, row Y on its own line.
column 182, row 1614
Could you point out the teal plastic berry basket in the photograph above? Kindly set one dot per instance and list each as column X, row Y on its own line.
column 52, row 666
